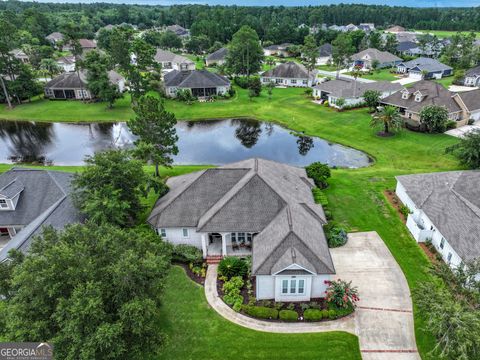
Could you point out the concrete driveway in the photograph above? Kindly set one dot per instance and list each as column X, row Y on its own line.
column 384, row 318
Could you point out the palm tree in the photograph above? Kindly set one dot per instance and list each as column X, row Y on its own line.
column 356, row 73
column 50, row 67
column 389, row 118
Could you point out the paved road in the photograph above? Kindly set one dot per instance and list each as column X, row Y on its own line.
column 383, row 320
column 344, row 76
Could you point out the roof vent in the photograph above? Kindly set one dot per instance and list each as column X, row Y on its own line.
column 289, row 218
column 294, row 254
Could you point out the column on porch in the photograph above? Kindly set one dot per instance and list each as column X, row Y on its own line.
column 204, row 245
column 224, row 244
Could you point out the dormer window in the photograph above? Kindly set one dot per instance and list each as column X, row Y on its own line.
column 10, row 194
column 418, row 97
column 405, row 95
column 4, row 205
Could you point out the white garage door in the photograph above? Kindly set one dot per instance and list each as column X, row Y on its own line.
column 415, row 75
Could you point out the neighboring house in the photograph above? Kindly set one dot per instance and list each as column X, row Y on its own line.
column 201, row 83
column 290, row 74
column 171, row 61
column 20, row 55
column 29, row 200
column 410, row 102
column 67, row 63
column 472, row 77
column 351, row 27
column 367, row 27
column 277, row 50
column 217, row 58
column 365, row 59
column 444, row 209
column 406, row 36
column 253, row 207
column 352, row 92
column 395, row 29
column 407, row 48
column 325, row 52
column 424, row 68
column 178, row 30
column 71, row 85
column 86, row 45
column 108, row 27
column 55, row 38
column 337, row 28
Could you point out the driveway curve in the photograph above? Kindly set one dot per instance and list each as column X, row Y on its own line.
column 383, row 320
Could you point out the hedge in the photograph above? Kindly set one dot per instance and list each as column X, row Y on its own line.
column 261, row 312
column 288, row 315
column 312, row 315
column 187, row 254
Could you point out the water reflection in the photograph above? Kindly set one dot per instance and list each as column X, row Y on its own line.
column 204, row 142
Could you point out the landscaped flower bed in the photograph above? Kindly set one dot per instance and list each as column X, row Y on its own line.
column 191, row 259
column 235, row 287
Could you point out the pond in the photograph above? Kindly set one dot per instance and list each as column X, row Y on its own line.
column 214, row 142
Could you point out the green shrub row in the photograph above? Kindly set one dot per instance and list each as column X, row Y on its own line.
column 231, row 266
column 288, row 315
column 319, row 196
column 187, row 254
column 261, row 312
column 231, row 289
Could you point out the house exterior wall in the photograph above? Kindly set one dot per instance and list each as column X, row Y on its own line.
column 472, row 81
column 318, row 285
column 430, row 231
column 323, row 60
column 270, row 287
column 291, row 82
column 214, row 62
column 475, row 115
column 80, row 94
column 171, row 91
column 175, row 236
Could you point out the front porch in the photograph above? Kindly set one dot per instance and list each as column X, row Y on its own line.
column 5, row 236
column 227, row 244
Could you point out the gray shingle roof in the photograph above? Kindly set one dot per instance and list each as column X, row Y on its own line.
column 289, row 70
column 44, row 200
column 425, row 64
column 55, row 36
column 406, row 45
column 71, row 80
column 473, row 72
column 283, row 46
column 345, row 88
column 471, row 99
column 220, row 54
column 451, row 200
column 325, row 50
column 255, row 195
column 168, row 56
column 375, row 54
column 433, row 94
column 194, row 79
column 11, row 189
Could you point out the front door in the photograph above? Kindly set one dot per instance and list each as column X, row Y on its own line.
column 4, row 232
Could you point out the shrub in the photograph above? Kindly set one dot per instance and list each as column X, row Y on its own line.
column 312, row 315
column 319, row 173
column 332, row 314
column 231, row 299
column 261, row 312
column 288, row 315
column 336, row 235
column 308, row 91
column 231, row 289
column 231, row 92
column 341, row 293
column 341, row 312
column 319, row 196
column 305, row 306
column 187, row 254
column 266, row 303
column 291, row 306
column 278, row 305
column 451, row 124
column 324, row 314
column 241, row 81
column 328, row 214
column 237, row 306
column 232, row 266
column 404, row 210
column 315, row 305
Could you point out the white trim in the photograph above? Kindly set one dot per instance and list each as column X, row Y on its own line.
column 292, row 267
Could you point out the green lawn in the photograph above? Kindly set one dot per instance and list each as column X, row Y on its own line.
column 381, row 75
column 198, row 60
column 195, row 331
column 446, row 33
column 446, row 82
column 355, row 196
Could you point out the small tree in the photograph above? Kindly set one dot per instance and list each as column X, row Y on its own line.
column 434, row 118
column 319, row 173
column 270, row 86
column 372, row 99
column 375, row 64
column 468, row 150
column 342, row 293
column 255, row 86
column 340, row 103
column 110, row 188
column 389, row 118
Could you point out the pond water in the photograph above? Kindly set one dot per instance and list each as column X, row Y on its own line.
column 213, row 142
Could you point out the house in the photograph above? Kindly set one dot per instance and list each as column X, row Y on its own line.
column 171, row 61
column 340, row 28
column 29, row 200
column 410, row 102
column 217, row 57
column 71, row 85
column 367, row 27
column 365, row 59
column 352, row 92
column 407, row 36
column 178, row 30
column 424, row 68
column 408, row 48
column 67, row 63
column 86, row 45
column 278, row 50
column 201, row 83
column 351, row 27
column 395, row 29
column 253, row 207
column 20, row 55
column 472, row 77
column 325, row 53
column 290, row 74
column 444, row 209
column 55, row 38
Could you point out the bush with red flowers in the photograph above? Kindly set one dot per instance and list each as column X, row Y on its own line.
column 341, row 293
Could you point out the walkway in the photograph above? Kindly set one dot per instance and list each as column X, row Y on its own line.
column 461, row 131
column 383, row 320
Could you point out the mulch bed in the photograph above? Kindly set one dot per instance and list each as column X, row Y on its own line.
column 198, row 279
column 431, row 253
column 395, row 202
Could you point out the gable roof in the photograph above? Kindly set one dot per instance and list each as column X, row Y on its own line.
column 177, row 29
column 395, row 29
column 473, row 72
column 406, row 45
column 44, row 200
column 72, row 80
column 87, row 43
column 426, row 64
column 451, row 200
column 194, row 79
column 283, row 46
column 325, row 50
column 433, row 94
column 375, row 54
column 253, row 195
column 346, row 88
column 289, row 69
column 220, row 54
column 168, row 56
column 471, row 99
column 11, row 189
column 55, row 36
